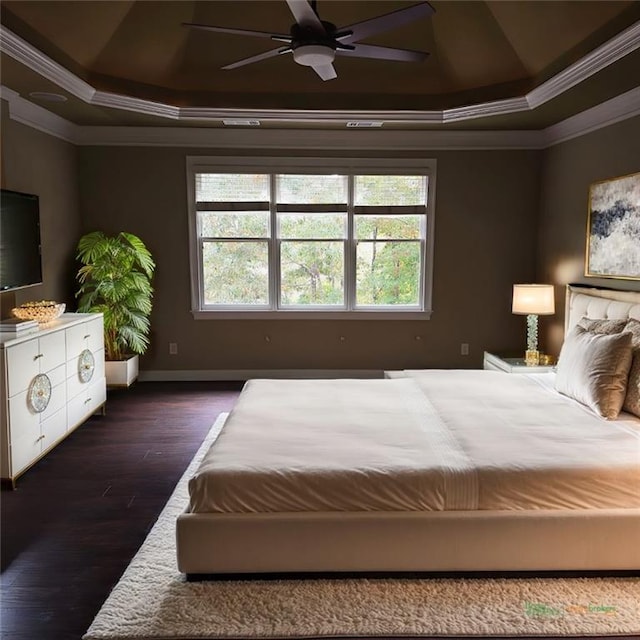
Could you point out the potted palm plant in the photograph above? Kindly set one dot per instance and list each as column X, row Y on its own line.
column 115, row 280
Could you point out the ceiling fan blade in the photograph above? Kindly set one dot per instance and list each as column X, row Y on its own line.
column 383, row 53
column 305, row 15
column 237, row 32
column 325, row 71
column 387, row 22
column 261, row 56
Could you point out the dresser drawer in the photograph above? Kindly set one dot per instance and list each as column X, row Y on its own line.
column 36, row 438
column 75, row 385
column 56, row 402
column 88, row 335
column 95, row 331
column 52, row 351
column 57, row 375
column 25, row 432
column 22, row 416
column 54, row 428
column 86, row 402
column 27, row 360
column 23, row 363
column 25, row 450
column 97, row 394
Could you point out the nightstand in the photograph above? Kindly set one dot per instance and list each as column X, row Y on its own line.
column 493, row 362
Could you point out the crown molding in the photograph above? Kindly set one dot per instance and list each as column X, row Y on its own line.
column 619, row 46
column 622, row 107
column 611, row 51
column 485, row 110
column 34, row 59
column 137, row 105
column 311, row 116
column 36, row 117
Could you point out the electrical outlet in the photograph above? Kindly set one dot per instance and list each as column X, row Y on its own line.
column 173, row 348
column 464, row 349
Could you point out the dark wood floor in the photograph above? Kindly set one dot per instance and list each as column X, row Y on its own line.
column 79, row 515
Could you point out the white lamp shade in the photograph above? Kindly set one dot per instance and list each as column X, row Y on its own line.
column 535, row 299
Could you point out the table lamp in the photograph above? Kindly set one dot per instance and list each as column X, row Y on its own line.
column 533, row 300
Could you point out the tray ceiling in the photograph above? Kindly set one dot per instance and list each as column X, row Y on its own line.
column 481, row 52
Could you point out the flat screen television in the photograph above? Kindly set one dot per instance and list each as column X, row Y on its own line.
column 20, row 255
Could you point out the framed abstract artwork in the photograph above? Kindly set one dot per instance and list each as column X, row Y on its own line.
column 613, row 229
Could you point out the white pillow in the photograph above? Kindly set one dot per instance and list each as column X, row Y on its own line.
column 632, row 401
column 594, row 368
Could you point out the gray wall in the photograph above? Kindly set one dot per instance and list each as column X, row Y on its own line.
column 486, row 226
column 568, row 169
column 34, row 162
column 501, row 217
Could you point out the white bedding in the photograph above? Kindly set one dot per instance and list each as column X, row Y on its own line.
column 437, row 440
column 327, row 445
column 534, row 448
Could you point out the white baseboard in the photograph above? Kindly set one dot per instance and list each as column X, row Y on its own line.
column 247, row 374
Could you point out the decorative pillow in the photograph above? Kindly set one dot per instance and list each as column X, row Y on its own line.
column 593, row 369
column 632, row 401
column 606, row 326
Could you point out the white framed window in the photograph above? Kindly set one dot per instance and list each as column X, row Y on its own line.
column 310, row 237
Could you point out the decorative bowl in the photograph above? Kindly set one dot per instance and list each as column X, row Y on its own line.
column 42, row 311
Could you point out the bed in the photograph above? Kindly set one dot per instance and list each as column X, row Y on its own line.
column 426, row 471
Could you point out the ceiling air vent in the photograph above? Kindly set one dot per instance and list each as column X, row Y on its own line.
column 241, row 123
column 46, row 96
column 364, row 124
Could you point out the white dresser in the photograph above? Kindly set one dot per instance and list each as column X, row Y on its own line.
column 51, row 381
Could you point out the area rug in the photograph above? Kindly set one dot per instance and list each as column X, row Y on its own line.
column 153, row 601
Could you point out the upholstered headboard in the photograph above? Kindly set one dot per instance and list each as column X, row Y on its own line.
column 599, row 303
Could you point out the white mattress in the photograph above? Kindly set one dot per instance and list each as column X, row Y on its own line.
column 437, row 440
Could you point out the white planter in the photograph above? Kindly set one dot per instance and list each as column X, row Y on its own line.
column 121, row 373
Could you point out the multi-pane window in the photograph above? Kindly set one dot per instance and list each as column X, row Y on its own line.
column 311, row 214
column 389, row 231
column 310, row 242
column 234, row 231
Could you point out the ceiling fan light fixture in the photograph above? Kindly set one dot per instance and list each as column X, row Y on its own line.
column 314, row 55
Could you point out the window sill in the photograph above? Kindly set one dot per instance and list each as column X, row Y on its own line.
column 311, row 315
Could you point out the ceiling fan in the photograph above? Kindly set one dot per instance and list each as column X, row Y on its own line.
column 315, row 42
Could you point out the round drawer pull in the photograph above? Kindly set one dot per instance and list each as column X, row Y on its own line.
column 39, row 393
column 86, row 366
